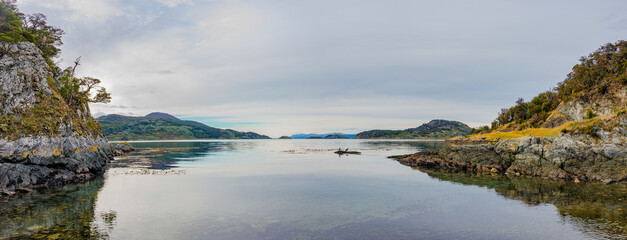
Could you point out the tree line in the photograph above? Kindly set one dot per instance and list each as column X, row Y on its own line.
column 16, row 27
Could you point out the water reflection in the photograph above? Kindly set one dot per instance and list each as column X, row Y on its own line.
column 415, row 145
column 60, row 213
column 166, row 155
column 597, row 210
column 299, row 190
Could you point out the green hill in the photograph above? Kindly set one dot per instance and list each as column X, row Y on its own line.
column 160, row 126
column 435, row 129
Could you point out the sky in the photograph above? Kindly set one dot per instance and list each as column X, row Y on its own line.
column 279, row 67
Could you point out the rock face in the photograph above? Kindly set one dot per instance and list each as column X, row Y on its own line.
column 577, row 157
column 43, row 141
column 576, row 110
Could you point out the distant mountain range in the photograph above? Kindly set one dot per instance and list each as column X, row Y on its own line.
column 435, row 129
column 309, row 135
column 162, row 126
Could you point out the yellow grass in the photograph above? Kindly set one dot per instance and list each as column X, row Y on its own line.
column 537, row 132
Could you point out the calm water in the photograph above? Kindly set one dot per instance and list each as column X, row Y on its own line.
column 299, row 189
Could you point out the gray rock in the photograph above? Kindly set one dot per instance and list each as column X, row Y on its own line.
column 69, row 153
column 566, row 157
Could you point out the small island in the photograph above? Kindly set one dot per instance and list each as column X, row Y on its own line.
column 336, row 136
column 435, row 129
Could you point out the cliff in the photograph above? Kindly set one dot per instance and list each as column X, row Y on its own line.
column 43, row 140
column 435, row 129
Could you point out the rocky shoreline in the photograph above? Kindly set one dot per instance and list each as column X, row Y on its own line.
column 30, row 163
column 602, row 158
column 83, row 160
column 44, row 141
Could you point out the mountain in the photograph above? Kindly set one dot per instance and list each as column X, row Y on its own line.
column 159, row 115
column 308, row 135
column 157, row 126
column 435, row 129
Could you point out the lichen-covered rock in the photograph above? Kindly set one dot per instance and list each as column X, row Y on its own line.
column 43, row 141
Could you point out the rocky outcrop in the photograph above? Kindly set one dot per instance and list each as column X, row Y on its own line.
column 576, row 110
column 43, row 141
column 121, row 148
column 578, row 157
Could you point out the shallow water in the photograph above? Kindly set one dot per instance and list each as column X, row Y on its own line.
column 300, row 189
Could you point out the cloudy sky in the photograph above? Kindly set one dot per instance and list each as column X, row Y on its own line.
column 281, row 67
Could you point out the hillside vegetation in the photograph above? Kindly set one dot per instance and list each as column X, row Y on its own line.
column 435, row 129
column 158, row 126
column 595, row 87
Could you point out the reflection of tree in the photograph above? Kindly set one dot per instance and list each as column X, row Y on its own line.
column 60, row 213
column 165, row 155
column 597, row 210
column 103, row 224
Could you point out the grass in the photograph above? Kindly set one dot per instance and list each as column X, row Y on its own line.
column 586, row 126
column 537, row 132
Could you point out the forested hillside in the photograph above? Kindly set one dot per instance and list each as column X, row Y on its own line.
column 435, row 129
column 157, row 126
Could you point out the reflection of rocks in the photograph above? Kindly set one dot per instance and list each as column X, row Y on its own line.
column 598, row 210
column 58, row 213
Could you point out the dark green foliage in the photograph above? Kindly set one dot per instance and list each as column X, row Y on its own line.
column 482, row 129
column 156, row 126
column 18, row 27
column 590, row 114
column 603, row 68
column 78, row 91
column 596, row 74
column 436, row 129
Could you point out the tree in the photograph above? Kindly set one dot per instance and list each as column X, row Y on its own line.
column 18, row 27
column 78, row 91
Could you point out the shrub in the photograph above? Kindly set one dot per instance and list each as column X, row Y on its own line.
column 590, row 114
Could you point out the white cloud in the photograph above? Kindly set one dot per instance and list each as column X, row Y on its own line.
column 173, row 3
column 81, row 10
column 320, row 66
